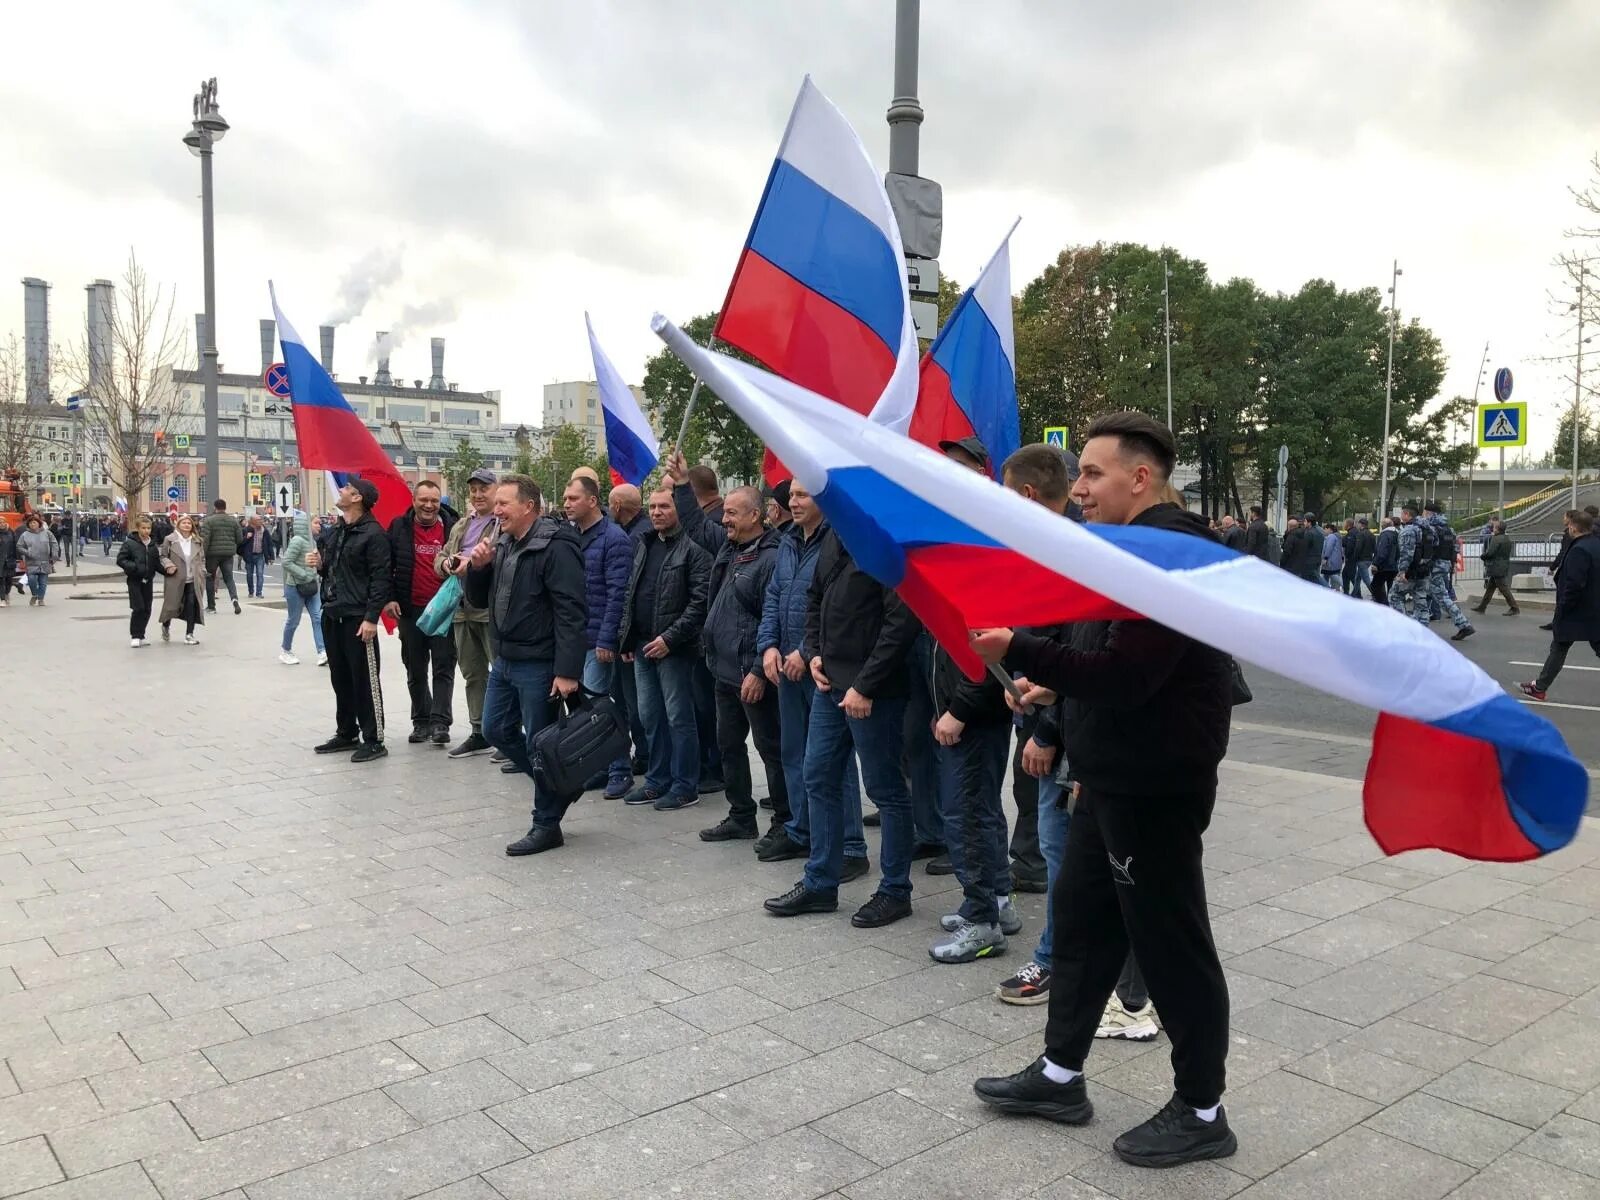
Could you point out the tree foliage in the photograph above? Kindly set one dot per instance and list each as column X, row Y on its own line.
column 714, row 434
column 462, row 462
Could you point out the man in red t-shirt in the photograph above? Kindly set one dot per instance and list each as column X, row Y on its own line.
column 415, row 540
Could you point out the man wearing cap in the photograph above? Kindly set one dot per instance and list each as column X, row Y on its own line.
column 777, row 507
column 1438, row 580
column 471, row 622
column 355, row 586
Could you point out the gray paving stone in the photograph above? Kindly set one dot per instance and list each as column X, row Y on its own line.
column 165, row 1079
column 929, row 1044
column 1429, row 1049
column 166, row 1038
column 1449, row 1129
column 57, row 1064
column 120, row 1183
column 1366, row 1164
column 1149, row 1076
column 108, row 1019
column 1466, row 892
column 453, row 1092
column 1558, row 964
column 725, row 1008
column 1568, row 1142
column 230, row 960
column 1491, row 934
column 492, row 993
column 328, row 999
column 537, row 1020
column 1364, row 993
column 1407, row 914
column 1069, row 1187
column 449, row 1045
column 1197, row 1181
column 905, row 998
column 308, row 1040
column 1332, row 897
column 1285, row 1025
column 855, row 971
column 797, row 1165
column 1501, row 1094
column 468, row 1189
column 889, row 1128
column 998, row 1160
column 803, row 1091
column 126, row 1137
column 1430, row 960
column 26, row 1165
column 1483, row 1008
column 1280, row 966
column 560, row 1114
column 1559, row 1049
column 1345, row 941
column 1520, row 1175
column 1281, row 1116
column 696, row 1068
column 1255, row 925
column 1361, row 1072
column 592, row 1050
column 823, row 1026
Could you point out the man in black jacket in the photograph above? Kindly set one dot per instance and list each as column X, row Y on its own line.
column 663, row 613
column 1256, row 541
column 1145, row 725
column 1360, row 548
column 700, row 510
column 1302, row 549
column 746, row 705
column 1577, row 616
column 858, row 639
column 1232, row 532
column 416, row 539
column 627, row 510
column 355, row 587
column 531, row 580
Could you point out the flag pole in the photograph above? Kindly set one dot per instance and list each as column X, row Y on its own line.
column 694, row 394
column 1011, row 688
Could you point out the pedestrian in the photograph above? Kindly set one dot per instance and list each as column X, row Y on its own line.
column 140, row 560
column 1145, row 728
column 607, row 563
column 1443, row 566
column 530, row 578
column 1360, row 547
column 663, row 613
column 183, row 557
column 222, row 538
column 777, row 506
column 1256, row 541
column 302, row 590
column 471, row 626
column 257, row 549
column 1577, row 616
column 746, row 706
column 8, row 563
column 416, row 542
column 1332, row 556
column 37, row 551
column 1385, row 561
column 356, row 579
column 1496, row 560
column 700, row 505
column 108, row 529
column 1561, row 554
column 627, row 511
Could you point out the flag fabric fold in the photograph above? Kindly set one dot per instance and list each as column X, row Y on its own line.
column 330, row 435
column 632, row 450
column 1457, row 764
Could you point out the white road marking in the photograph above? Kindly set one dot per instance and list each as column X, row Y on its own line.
column 1515, row 663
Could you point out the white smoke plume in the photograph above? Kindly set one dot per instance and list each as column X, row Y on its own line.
column 369, row 275
column 414, row 319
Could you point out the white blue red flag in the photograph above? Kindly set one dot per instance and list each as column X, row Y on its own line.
column 330, row 435
column 819, row 295
column 1456, row 764
column 967, row 384
column 632, row 450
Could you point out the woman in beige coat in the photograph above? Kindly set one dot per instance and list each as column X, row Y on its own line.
column 183, row 563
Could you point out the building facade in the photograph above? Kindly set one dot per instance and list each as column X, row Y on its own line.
column 577, row 402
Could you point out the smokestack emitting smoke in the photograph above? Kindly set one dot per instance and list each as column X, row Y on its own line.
column 367, row 276
column 326, row 333
column 381, row 348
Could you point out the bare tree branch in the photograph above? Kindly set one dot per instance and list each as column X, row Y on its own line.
column 21, row 425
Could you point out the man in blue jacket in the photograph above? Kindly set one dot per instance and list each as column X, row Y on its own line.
column 607, row 561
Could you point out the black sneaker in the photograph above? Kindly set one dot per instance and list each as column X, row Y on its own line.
column 497, row 757
column 369, row 751
column 879, row 911
column 855, row 866
column 1175, row 1136
column 729, row 830
column 475, row 743
column 236, row 609
column 781, row 849
column 419, row 733
column 774, row 836
column 801, row 899
column 510, row 768
column 536, row 841
column 336, row 744
column 872, row 820
column 921, row 849
column 709, row 787
column 1461, row 635
column 1029, row 1093
column 1031, row 985
column 940, row 866
column 642, row 795
column 440, row 735
column 1023, row 881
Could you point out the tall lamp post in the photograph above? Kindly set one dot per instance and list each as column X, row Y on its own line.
column 1166, row 301
column 208, row 129
column 1388, row 396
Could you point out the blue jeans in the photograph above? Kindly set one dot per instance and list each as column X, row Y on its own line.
column 1053, row 822
column 921, row 751
column 297, row 605
column 625, row 691
column 38, row 581
column 597, row 681
column 255, row 575
column 516, row 706
column 794, row 716
column 666, row 706
column 970, row 777
column 877, row 740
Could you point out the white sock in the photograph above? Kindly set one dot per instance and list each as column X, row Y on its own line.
column 1057, row 1074
column 1205, row 1114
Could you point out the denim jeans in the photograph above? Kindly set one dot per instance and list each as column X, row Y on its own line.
column 516, row 707
column 225, row 565
column 666, row 706
column 971, row 774
column 877, row 739
column 255, row 575
column 1053, row 821
column 298, row 604
column 625, row 691
column 794, row 715
column 38, row 581
column 920, row 750
column 598, row 678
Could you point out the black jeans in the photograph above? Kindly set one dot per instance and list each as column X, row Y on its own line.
column 1555, row 660
column 1132, row 875
column 429, row 657
column 971, row 774
column 355, row 708
column 225, row 565
column 1027, row 860
column 1489, row 587
column 735, row 719
column 703, row 688
column 1380, row 585
column 141, row 595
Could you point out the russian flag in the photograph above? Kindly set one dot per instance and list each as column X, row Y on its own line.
column 819, row 294
column 1456, row 764
column 330, row 435
column 967, row 383
column 632, row 450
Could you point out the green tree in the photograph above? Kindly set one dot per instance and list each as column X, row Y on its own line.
column 568, row 449
column 463, row 461
column 714, row 433
column 1560, row 455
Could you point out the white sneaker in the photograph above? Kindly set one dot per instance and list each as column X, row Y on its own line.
column 134, row 643
column 144, row 641
column 322, row 658
column 190, row 639
column 1118, row 1022
column 288, row 659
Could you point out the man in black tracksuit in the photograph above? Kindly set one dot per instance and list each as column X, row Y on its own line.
column 1144, row 727
column 355, row 587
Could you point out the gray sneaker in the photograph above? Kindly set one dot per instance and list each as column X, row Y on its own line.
column 1010, row 919
column 969, row 943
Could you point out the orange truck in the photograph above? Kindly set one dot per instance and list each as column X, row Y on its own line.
column 14, row 506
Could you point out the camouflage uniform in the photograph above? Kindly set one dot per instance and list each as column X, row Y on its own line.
column 1439, row 578
column 1403, row 589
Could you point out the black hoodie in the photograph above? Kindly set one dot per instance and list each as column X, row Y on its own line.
column 1145, row 709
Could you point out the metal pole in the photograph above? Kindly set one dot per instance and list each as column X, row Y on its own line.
column 905, row 112
column 694, row 394
column 1388, row 397
column 208, row 352
column 1501, row 503
column 1472, row 463
column 1577, row 387
column 1166, row 295
column 71, row 489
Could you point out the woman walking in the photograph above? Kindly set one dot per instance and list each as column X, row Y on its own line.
column 8, row 558
column 301, row 591
column 183, row 562
column 38, row 550
column 140, row 560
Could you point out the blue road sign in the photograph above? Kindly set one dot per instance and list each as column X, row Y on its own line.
column 276, row 380
column 172, row 493
column 74, row 403
column 1502, row 384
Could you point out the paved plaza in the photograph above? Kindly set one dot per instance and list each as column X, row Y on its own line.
column 231, row 968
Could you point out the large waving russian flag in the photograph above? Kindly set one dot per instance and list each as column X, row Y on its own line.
column 819, row 294
column 1456, row 764
column 331, row 436
column 632, row 450
column 967, row 383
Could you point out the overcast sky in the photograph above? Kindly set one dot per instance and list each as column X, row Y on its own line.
column 505, row 164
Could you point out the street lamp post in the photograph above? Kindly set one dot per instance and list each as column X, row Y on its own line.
column 208, row 129
column 1166, row 300
column 1388, row 396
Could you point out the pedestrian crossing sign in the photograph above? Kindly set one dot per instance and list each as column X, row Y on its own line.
column 1503, row 424
column 1056, row 435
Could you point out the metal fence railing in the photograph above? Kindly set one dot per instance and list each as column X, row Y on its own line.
column 1528, row 556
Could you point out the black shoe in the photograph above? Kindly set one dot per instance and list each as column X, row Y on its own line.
column 1463, row 633
column 642, row 795
column 1512, row 612
column 1175, row 1136
column 1022, row 882
column 921, row 849
column 536, row 841
column 872, row 820
column 440, row 735
column 801, row 899
column 855, row 866
column 369, row 751
column 729, row 830
column 1029, row 1093
column 879, row 911
column 774, row 836
column 337, row 743
column 211, row 608
column 710, row 787
column 1548, row 625
column 765, row 802
column 476, row 743
column 781, row 848
column 639, row 766
column 510, row 768
column 236, row 609
column 940, row 866
column 419, row 733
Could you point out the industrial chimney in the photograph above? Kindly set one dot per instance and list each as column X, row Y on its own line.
column 269, row 340
column 102, row 312
column 383, row 378
column 199, row 341
column 327, row 348
column 437, row 382
column 36, row 340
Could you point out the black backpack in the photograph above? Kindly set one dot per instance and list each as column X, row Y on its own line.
column 1426, row 551
column 1445, row 550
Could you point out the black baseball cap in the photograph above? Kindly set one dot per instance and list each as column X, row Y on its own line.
column 1433, row 506
column 971, row 445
